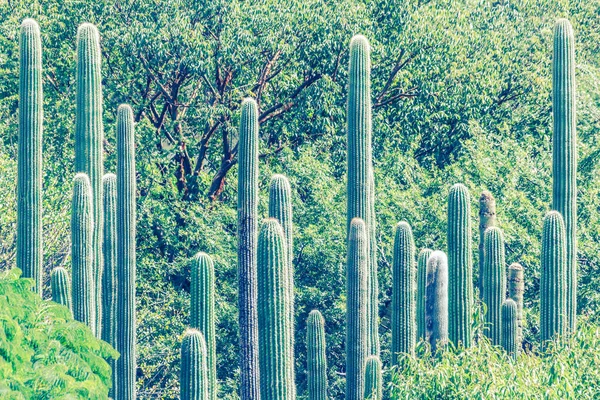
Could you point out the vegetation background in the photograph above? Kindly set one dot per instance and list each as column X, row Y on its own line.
column 461, row 93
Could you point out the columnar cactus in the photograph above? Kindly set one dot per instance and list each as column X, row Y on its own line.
column 202, row 312
column 276, row 366
column 193, row 379
column 421, row 286
column 61, row 287
column 487, row 218
column 436, row 300
column 356, row 309
column 89, row 138
column 373, row 379
column 372, row 279
column 516, row 288
column 247, row 206
column 360, row 174
column 554, row 279
column 460, row 266
column 403, row 292
column 510, row 329
column 124, row 388
column 29, row 178
column 316, row 358
column 82, row 230
column 564, row 153
column 494, row 282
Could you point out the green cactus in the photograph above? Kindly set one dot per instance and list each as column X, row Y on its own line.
column 61, row 287
column 403, row 293
column 193, row 379
column 276, row 366
column 89, row 138
column 487, row 218
column 125, row 372
column 564, row 153
column 247, row 206
column 356, row 309
column 316, row 358
column 29, row 178
column 360, row 174
column 82, row 224
column 516, row 288
column 460, row 266
column 373, row 379
column 554, row 279
column 510, row 328
column 494, row 283
column 421, row 286
column 202, row 312
column 436, row 301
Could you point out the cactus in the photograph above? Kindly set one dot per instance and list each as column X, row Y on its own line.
column 202, row 312
column 487, row 218
column 460, row 266
column 89, row 137
column 194, row 370
column 510, row 329
column 29, row 178
column 356, row 309
column 403, row 293
column 61, row 287
column 247, row 206
column 421, row 283
column 276, row 366
column 436, row 301
column 372, row 279
column 124, row 388
column 494, row 283
column 360, row 174
column 516, row 288
column 564, row 153
column 316, row 359
column 82, row 223
column 554, row 279
column 373, row 379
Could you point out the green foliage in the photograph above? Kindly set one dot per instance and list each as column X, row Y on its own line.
column 494, row 283
column 436, row 301
column 194, row 367
column 61, row 287
column 373, row 379
column 316, row 358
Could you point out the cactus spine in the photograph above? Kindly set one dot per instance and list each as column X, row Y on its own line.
column 554, row 279
column 82, row 228
column 487, row 218
column 194, row 371
column 494, row 283
column 316, row 358
column 276, row 366
column 460, row 266
column 436, row 301
column 373, row 379
column 564, row 153
column 356, row 309
column 403, row 293
column 247, row 235
column 516, row 288
column 510, row 328
column 29, row 179
column 202, row 312
column 61, row 287
column 421, row 286
column 126, row 258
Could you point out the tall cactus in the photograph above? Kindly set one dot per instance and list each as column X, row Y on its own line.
column 193, row 379
column 372, row 278
column 564, row 153
column 202, row 312
column 403, row 293
column 436, row 301
column 29, row 178
column 316, row 358
column 554, row 278
column 109, row 250
column 82, row 228
column 516, row 288
column 89, row 138
column 61, row 287
column 487, row 218
column 276, row 366
column 360, row 174
column 126, row 258
column 373, row 379
column 421, row 286
column 460, row 266
column 510, row 328
column 494, row 283
column 356, row 309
